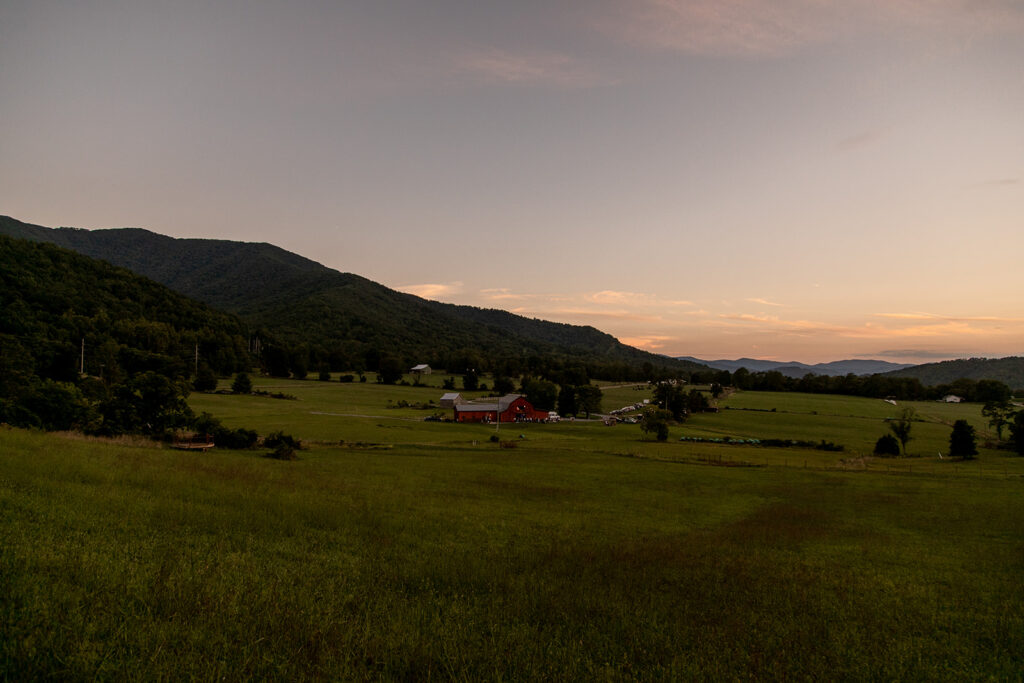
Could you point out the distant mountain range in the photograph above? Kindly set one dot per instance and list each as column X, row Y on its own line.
column 797, row 370
column 303, row 303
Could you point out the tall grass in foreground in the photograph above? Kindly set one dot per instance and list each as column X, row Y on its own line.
column 418, row 562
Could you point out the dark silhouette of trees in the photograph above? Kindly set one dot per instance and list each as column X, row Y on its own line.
column 962, row 441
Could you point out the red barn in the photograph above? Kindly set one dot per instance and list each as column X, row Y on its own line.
column 509, row 408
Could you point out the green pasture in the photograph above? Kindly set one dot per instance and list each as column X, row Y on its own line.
column 335, row 412
column 562, row 559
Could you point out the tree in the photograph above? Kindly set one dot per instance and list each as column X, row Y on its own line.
column 589, row 398
column 671, row 397
column 961, row 441
column 205, row 379
column 567, row 404
column 242, row 384
column 448, row 384
column 1017, row 432
column 902, row 426
column 655, row 421
column 991, row 390
column 999, row 414
column 887, row 445
column 502, row 385
column 325, row 373
column 390, row 370
column 541, row 393
column 471, row 380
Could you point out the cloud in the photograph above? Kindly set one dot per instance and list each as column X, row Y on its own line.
column 914, row 353
column 998, row 182
column 765, row 302
column 949, row 318
column 618, row 298
column 432, row 290
column 528, row 67
column 650, row 342
column 862, row 139
column 772, row 28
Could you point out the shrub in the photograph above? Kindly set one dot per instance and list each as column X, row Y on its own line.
column 887, row 444
column 347, row 378
column 242, row 384
column 275, row 439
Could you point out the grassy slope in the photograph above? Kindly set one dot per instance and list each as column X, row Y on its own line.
column 548, row 561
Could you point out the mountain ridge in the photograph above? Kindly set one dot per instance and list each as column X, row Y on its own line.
column 796, row 369
column 302, row 302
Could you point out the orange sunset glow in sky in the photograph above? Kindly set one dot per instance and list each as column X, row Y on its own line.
column 785, row 179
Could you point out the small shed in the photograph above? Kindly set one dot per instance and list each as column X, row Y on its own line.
column 951, row 398
column 452, row 399
column 421, row 369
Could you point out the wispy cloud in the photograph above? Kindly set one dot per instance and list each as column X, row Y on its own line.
column 765, row 302
column 950, row 318
column 922, row 354
column 998, row 182
column 620, row 298
column 863, row 138
column 526, row 67
column 432, row 290
column 766, row 28
column 650, row 342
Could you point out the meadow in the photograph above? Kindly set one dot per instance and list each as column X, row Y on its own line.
column 398, row 548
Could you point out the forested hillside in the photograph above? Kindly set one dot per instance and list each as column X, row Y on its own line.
column 1008, row 370
column 343, row 320
column 54, row 303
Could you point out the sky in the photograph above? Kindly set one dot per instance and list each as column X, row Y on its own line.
column 782, row 179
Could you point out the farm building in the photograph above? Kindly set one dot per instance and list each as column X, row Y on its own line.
column 952, row 398
column 451, row 399
column 421, row 369
column 508, row 408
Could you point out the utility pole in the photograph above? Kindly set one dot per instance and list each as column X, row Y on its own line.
column 81, row 366
column 197, row 359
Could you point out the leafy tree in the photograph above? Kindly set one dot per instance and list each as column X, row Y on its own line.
column 991, row 390
column 902, row 426
column 390, row 370
column 205, row 379
column 671, row 397
column 242, row 384
column 1017, row 432
column 325, row 373
column 589, row 397
column 448, row 383
column 502, row 385
column 567, row 400
column 716, row 390
column 471, row 380
column 655, row 421
column 149, row 403
column 887, row 445
column 999, row 414
column 275, row 359
column 696, row 402
column 961, row 440
column 540, row 392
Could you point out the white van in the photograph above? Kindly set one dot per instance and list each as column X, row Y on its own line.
column 553, row 416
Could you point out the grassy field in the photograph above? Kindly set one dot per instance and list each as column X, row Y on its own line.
column 421, row 550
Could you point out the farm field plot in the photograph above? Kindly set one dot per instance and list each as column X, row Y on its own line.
column 543, row 561
column 331, row 412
